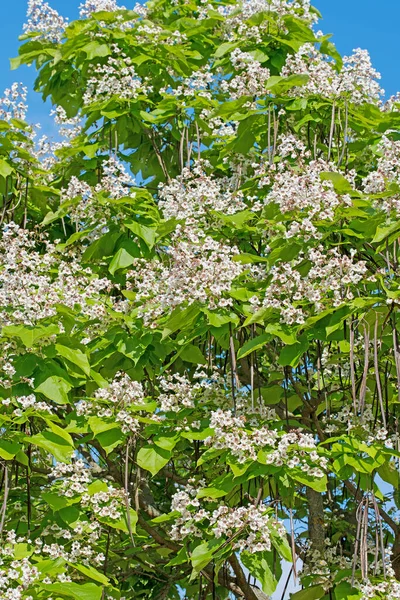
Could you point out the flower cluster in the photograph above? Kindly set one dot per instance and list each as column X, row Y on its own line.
column 306, row 194
column 194, row 194
column 387, row 171
column 116, row 180
column 198, row 84
column 114, row 402
column 45, row 21
column 295, row 449
column 28, row 291
column 236, row 20
column 21, row 404
column 13, row 103
column 116, row 77
column 86, row 209
column 110, row 503
column 200, row 269
column 357, row 80
column 329, row 282
column 178, row 392
column 252, row 79
column 74, row 478
column 249, row 527
column 89, row 7
column 16, row 578
column 69, row 128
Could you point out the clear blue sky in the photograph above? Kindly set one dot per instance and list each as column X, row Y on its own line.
column 354, row 23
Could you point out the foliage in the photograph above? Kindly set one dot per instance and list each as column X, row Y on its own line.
column 200, row 357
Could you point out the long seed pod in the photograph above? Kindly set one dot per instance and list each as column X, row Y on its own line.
column 363, row 386
column 377, row 377
column 396, row 359
column 128, row 508
column 352, row 370
column 5, row 498
column 332, row 131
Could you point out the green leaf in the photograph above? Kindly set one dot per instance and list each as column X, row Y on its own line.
column 29, row 335
column 180, row 319
column 282, row 546
column 225, row 48
column 5, row 168
column 91, row 572
column 55, row 388
column 152, row 458
column 340, row 183
column 125, row 256
column 95, row 49
column 60, row 432
column 8, row 449
column 252, row 345
column 384, row 231
column 345, row 590
column 280, row 85
column 147, row 234
column 291, row 355
column 282, row 332
column 258, row 566
column 110, row 439
column 318, row 484
column 88, row 591
column 202, row 555
column 316, row 592
column 77, row 357
column 192, row 354
column 54, row 444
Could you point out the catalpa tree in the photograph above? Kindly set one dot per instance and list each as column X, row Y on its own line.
column 199, row 289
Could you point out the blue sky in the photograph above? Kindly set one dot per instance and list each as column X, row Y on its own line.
column 354, row 23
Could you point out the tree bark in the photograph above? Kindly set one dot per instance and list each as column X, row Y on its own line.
column 316, row 529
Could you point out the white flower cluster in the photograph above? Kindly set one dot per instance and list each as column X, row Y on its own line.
column 219, row 128
column 74, row 478
column 200, row 269
column 115, row 179
column 385, row 590
column 69, row 128
column 122, row 391
column 28, row 291
column 44, row 20
column 13, row 103
column 116, row 182
column 114, row 402
column 177, row 393
column 251, row 80
column 16, row 579
column 89, row 7
column 357, row 80
column 329, row 282
column 24, row 403
column 295, row 449
column 194, row 194
column 117, row 77
column 198, row 84
column 307, row 194
column 250, row 527
column 239, row 13
column 110, row 503
column 74, row 545
column 387, row 171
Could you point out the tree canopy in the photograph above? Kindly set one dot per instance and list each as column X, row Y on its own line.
column 199, row 290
